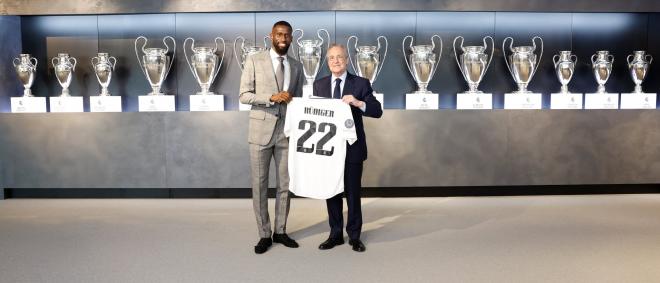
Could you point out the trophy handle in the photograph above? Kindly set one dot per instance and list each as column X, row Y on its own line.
column 628, row 60
column 53, row 61
column 14, row 62
column 240, row 66
column 266, row 39
column 437, row 64
column 405, row 56
column 593, row 59
column 222, row 58
column 349, row 52
column 297, row 46
column 75, row 62
column 173, row 52
column 649, row 58
column 504, row 52
column 185, row 54
column 382, row 62
column 35, row 60
column 92, row 60
column 456, row 54
column 113, row 60
column 555, row 60
column 492, row 51
column 137, row 56
column 538, row 63
column 611, row 57
column 574, row 58
column 318, row 34
column 300, row 37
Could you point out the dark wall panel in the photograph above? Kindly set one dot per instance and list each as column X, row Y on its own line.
column 652, row 82
column 10, row 48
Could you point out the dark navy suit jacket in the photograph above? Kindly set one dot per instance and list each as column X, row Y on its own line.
column 360, row 88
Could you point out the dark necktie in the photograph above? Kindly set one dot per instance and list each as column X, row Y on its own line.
column 279, row 74
column 337, row 93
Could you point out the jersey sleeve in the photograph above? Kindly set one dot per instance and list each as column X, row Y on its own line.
column 348, row 125
column 290, row 115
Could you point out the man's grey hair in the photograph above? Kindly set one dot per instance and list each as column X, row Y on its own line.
column 338, row 45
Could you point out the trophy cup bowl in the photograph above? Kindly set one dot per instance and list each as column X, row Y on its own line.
column 523, row 62
column 564, row 68
column 474, row 62
column 310, row 52
column 639, row 66
column 422, row 63
column 245, row 51
column 155, row 63
column 103, row 66
column 204, row 63
column 64, row 67
column 367, row 58
column 26, row 68
column 601, row 63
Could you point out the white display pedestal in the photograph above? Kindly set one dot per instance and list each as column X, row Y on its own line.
column 566, row 101
column 474, row 101
column 28, row 104
column 601, row 101
column 105, row 104
column 638, row 100
column 206, row 102
column 421, row 101
column 528, row 100
column 156, row 103
column 66, row 104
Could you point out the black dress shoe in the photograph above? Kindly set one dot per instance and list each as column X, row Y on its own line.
column 263, row 245
column 284, row 240
column 357, row 245
column 331, row 243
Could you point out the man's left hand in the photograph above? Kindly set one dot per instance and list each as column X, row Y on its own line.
column 351, row 100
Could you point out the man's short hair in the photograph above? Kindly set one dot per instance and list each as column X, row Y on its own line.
column 283, row 23
column 339, row 45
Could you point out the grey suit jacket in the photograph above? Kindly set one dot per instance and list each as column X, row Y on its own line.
column 258, row 84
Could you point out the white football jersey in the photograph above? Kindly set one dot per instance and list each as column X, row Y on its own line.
column 318, row 130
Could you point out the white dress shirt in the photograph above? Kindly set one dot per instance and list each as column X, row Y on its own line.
column 287, row 69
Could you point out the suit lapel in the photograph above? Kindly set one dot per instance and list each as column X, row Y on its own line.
column 267, row 64
column 348, row 85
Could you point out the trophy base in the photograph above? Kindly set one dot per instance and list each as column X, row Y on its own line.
column 27, row 93
column 28, row 105
column 421, row 101
column 156, row 103
column 474, row 100
column 638, row 100
column 105, row 103
column 65, row 93
column 66, row 104
column 601, row 101
column 308, row 91
column 207, row 102
column 566, row 100
column 523, row 100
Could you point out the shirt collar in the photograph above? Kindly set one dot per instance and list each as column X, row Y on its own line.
column 342, row 77
column 274, row 55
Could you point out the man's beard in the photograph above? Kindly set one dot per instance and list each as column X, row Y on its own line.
column 281, row 51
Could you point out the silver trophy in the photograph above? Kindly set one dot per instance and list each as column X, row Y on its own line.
column 64, row 67
column 564, row 68
column 523, row 62
column 423, row 62
column 103, row 66
column 26, row 68
column 246, row 50
column 205, row 66
column 155, row 63
column 638, row 64
column 367, row 58
column 601, row 63
column 474, row 62
column 310, row 52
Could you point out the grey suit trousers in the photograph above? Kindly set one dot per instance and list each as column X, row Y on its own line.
column 260, row 156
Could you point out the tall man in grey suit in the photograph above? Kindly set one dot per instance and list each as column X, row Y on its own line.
column 269, row 80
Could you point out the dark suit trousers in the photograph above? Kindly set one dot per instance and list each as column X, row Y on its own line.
column 352, row 187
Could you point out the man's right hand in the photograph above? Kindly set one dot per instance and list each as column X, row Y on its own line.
column 281, row 97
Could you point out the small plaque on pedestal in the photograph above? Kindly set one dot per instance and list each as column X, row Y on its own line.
column 638, row 100
column 308, row 91
column 566, row 101
column 474, row 101
column 207, row 102
column 601, row 101
column 66, row 104
column 28, row 104
column 379, row 97
column 155, row 103
column 105, row 104
column 421, row 101
column 527, row 100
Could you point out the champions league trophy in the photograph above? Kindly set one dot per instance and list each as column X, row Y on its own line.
column 103, row 66
column 601, row 63
column 26, row 67
column 564, row 68
column 474, row 62
column 155, row 63
column 523, row 63
column 423, row 62
column 368, row 61
column 310, row 52
column 245, row 50
column 64, row 67
column 638, row 64
column 205, row 66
